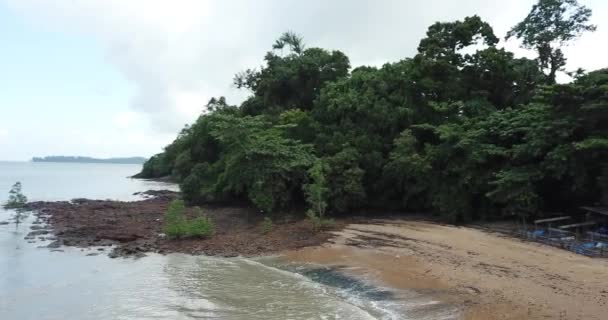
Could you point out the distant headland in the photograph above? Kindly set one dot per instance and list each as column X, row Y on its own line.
column 79, row 159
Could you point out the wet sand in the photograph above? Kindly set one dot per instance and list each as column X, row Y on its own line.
column 491, row 276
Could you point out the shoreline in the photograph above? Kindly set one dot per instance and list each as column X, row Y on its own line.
column 488, row 275
column 134, row 228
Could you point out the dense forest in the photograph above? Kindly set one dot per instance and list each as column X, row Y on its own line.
column 463, row 130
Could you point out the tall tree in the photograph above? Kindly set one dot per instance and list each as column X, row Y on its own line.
column 549, row 26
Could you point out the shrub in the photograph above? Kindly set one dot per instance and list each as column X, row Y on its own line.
column 16, row 199
column 266, row 225
column 319, row 223
column 200, row 226
column 177, row 225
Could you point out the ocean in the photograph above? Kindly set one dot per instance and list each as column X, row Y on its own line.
column 43, row 284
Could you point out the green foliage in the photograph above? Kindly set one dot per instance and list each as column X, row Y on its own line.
column 316, row 195
column 174, row 222
column 316, row 190
column 266, row 225
column 318, row 223
column 463, row 129
column 550, row 25
column 16, row 199
column 200, row 226
column 177, row 225
column 259, row 162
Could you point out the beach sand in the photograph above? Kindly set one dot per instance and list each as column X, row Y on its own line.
column 492, row 276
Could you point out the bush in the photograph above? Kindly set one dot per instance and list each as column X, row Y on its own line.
column 174, row 224
column 200, row 227
column 266, row 225
column 319, row 223
column 177, row 225
column 16, row 199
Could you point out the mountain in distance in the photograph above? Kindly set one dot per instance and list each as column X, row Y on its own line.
column 79, row 159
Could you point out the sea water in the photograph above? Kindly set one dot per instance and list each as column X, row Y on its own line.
column 40, row 283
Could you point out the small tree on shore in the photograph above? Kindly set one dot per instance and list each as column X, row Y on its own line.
column 316, row 196
column 16, row 199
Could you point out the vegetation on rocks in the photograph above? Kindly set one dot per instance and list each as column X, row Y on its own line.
column 177, row 225
column 463, row 129
column 266, row 225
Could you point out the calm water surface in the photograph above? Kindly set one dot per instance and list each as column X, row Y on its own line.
column 37, row 283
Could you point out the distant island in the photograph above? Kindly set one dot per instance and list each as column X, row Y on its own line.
column 78, row 159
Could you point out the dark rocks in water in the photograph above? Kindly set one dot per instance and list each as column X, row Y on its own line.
column 37, row 233
column 133, row 251
column 37, row 227
column 92, row 254
column 57, row 250
column 4, row 222
column 132, row 228
column 161, row 194
column 28, row 237
column 54, row 244
column 122, row 237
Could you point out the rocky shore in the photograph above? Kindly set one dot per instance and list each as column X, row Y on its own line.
column 135, row 228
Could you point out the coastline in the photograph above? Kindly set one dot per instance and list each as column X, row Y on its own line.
column 491, row 276
column 134, row 228
column 487, row 275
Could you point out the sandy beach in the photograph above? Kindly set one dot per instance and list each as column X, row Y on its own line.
column 492, row 276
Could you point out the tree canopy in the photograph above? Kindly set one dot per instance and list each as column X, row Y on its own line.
column 550, row 25
column 460, row 135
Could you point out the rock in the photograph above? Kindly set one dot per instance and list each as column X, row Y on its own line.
column 57, row 250
column 123, row 237
column 4, row 222
column 92, row 254
column 37, row 227
column 54, row 244
column 38, row 232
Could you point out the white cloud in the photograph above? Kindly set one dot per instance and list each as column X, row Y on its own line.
column 181, row 53
column 125, row 119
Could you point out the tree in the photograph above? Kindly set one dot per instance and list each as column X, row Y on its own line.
column 291, row 39
column 463, row 130
column 316, row 196
column 291, row 81
column 16, row 199
column 550, row 25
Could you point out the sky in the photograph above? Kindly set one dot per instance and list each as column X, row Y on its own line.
column 109, row 78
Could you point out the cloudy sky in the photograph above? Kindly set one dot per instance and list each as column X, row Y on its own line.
column 120, row 77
